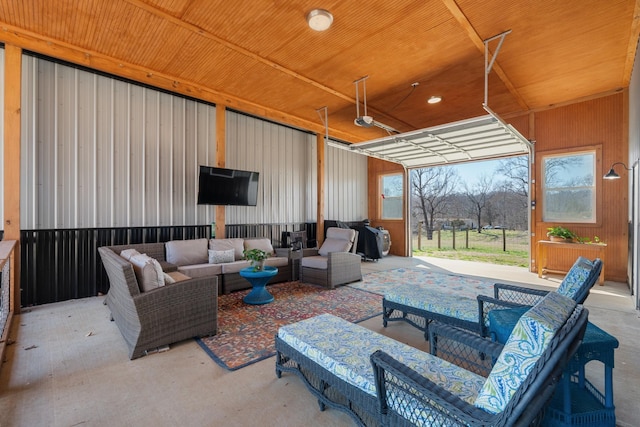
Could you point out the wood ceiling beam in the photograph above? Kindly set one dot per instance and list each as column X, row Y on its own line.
column 459, row 15
column 56, row 49
column 632, row 46
column 204, row 33
column 254, row 56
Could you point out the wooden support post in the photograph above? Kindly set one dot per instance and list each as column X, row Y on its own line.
column 221, row 146
column 12, row 114
column 321, row 188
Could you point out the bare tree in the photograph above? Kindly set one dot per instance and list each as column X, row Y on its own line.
column 478, row 197
column 516, row 170
column 431, row 188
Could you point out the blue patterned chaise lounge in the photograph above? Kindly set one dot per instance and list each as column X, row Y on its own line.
column 380, row 381
column 419, row 306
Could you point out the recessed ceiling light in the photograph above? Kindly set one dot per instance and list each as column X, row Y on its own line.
column 319, row 19
column 434, row 99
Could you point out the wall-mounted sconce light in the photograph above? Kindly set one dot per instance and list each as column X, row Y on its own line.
column 612, row 173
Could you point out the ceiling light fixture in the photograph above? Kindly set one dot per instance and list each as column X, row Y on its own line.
column 319, row 19
column 434, row 99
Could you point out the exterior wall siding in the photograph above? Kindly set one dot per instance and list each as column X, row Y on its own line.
column 100, row 152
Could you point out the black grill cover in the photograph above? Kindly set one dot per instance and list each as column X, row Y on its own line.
column 370, row 242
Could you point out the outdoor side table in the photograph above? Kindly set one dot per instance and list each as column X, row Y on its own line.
column 576, row 402
column 258, row 280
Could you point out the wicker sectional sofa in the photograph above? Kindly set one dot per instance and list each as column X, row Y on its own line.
column 196, row 258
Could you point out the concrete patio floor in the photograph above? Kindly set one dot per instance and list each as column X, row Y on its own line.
column 68, row 366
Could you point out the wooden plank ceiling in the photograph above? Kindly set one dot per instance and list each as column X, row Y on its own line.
column 261, row 57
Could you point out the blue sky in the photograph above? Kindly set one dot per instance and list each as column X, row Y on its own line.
column 471, row 172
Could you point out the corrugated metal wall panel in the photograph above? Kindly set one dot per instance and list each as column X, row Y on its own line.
column 280, row 154
column 346, row 186
column 100, row 152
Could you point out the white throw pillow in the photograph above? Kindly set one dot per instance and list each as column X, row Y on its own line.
column 128, row 253
column 234, row 243
column 262, row 244
column 221, row 257
column 148, row 272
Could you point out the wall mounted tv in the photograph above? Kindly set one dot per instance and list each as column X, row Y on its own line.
column 219, row 186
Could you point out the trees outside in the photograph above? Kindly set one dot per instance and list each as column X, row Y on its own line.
column 478, row 197
column 439, row 197
column 431, row 189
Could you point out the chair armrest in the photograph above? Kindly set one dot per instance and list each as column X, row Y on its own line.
column 179, row 299
column 518, row 294
column 463, row 348
column 309, row 252
column 409, row 395
column 487, row 303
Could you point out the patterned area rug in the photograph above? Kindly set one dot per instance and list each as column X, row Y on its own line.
column 381, row 281
column 246, row 332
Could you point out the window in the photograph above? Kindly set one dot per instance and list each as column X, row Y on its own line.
column 391, row 196
column 569, row 188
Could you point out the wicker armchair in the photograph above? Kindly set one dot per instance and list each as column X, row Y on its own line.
column 172, row 313
column 336, row 262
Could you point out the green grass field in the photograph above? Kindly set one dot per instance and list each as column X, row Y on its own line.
column 488, row 246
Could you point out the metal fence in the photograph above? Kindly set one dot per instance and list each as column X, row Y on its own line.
column 487, row 240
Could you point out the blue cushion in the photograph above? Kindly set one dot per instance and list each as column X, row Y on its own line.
column 576, row 278
column 529, row 339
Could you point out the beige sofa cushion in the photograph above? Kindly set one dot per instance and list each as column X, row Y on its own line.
column 234, row 267
column 148, row 272
column 337, row 240
column 260, row 243
column 320, row 262
column 187, row 252
column 226, row 244
column 174, row 277
column 201, row 270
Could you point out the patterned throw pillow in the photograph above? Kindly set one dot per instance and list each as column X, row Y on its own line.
column 221, row 257
column 528, row 340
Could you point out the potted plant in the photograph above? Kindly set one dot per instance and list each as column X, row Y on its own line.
column 560, row 234
column 257, row 257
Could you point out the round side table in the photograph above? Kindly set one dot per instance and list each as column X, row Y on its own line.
column 258, row 280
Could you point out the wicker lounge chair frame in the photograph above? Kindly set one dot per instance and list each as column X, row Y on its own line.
column 505, row 296
column 330, row 390
column 152, row 319
column 395, row 381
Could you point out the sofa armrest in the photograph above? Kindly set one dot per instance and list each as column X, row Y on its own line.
column 178, row 302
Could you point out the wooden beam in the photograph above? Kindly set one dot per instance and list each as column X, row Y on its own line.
column 632, row 46
column 12, row 114
column 321, row 149
column 97, row 61
column 221, row 147
column 479, row 42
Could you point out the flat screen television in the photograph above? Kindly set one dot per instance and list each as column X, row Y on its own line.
column 220, row 186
